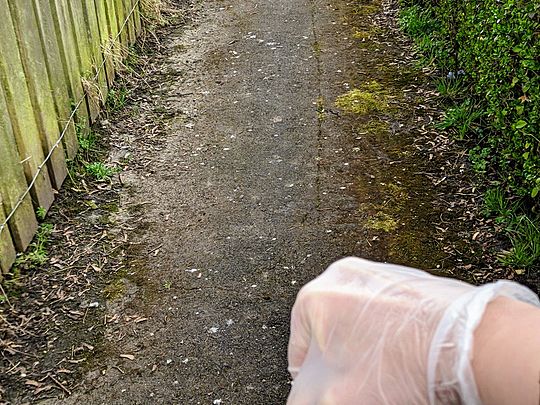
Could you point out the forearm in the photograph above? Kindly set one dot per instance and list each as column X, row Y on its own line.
column 506, row 355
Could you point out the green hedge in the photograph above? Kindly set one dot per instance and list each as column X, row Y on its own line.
column 493, row 47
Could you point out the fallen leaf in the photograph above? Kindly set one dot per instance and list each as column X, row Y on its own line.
column 89, row 347
column 45, row 388
column 33, row 383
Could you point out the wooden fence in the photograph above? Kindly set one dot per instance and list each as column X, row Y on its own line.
column 58, row 59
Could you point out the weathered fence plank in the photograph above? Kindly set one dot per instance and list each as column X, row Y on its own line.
column 113, row 49
column 104, row 34
column 128, row 6
column 68, row 52
column 90, row 16
column 120, row 17
column 23, row 223
column 111, row 17
column 137, row 17
column 41, row 96
column 84, row 54
column 21, row 111
column 7, row 250
column 57, row 74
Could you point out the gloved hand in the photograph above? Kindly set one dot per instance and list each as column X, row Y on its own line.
column 371, row 333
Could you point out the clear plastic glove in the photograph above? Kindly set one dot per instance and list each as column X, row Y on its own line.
column 372, row 333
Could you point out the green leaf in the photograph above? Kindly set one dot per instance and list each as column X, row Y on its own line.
column 535, row 192
column 520, row 124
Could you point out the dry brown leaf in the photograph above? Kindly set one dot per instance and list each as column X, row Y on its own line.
column 41, row 389
column 33, row 383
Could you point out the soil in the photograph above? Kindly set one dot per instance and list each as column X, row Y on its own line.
column 241, row 180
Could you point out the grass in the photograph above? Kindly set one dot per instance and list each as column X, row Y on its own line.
column 496, row 204
column 523, row 232
column 462, row 119
column 450, row 89
column 424, row 29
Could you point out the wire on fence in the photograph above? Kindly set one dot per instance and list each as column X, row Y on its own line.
column 65, row 129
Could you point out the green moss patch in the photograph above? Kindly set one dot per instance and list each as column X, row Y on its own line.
column 370, row 98
column 382, row 221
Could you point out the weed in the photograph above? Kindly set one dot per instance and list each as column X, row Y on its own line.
column 99, row 170
column 87, row 141
column 463, row 119
column 317, row 49
column 116, row 99
column 451, row 89
column 420, row 24
column 167, row 285
column 320, row 109
column 36, row 254
column 41, row 213
column 478, row 157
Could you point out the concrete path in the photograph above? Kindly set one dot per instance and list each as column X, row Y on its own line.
column 251, row 193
